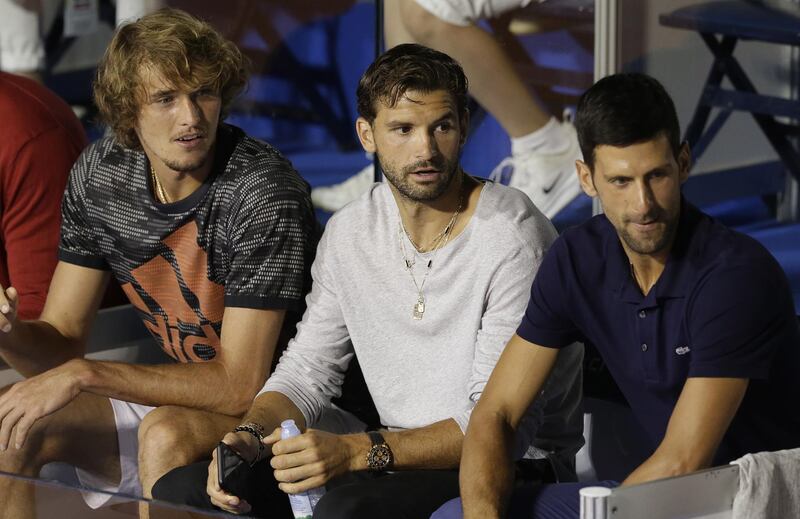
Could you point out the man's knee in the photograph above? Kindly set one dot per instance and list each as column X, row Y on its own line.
column 163, row 444
column 162, row 432
column 39, row 449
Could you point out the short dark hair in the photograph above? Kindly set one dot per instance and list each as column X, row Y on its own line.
column 625, row 109
column 409, row 67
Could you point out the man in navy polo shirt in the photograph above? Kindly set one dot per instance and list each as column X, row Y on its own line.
column 695, row 321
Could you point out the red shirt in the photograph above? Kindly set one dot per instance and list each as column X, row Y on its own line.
column 40, row 138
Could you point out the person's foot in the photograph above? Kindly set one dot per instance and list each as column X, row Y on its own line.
column 549, row 180
column 332, row 198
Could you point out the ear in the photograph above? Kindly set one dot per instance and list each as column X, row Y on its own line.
column 365, row 135
column 585, row 177
column 684, row 162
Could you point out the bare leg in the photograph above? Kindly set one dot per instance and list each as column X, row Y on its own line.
column 496, row 85
column 170, row 437
column 394, row 29
column 492, row 78
column 82, row 434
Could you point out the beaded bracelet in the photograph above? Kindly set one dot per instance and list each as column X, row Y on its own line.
column 258, row 433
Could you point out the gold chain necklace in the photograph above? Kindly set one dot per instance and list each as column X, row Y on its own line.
column 158, row 189
column 438, row 237
column 440, row 241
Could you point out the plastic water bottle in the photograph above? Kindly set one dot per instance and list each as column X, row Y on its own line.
column 303, row 503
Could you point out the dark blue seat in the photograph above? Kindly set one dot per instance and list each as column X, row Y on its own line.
column 721, row 25
column 741, row 19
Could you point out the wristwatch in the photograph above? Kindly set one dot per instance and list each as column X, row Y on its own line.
column 380, row 456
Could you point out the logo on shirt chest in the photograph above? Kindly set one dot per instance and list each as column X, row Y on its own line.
column 182, row 308
column 682, row 350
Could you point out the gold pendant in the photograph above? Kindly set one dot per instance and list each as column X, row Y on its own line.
column 419, row 309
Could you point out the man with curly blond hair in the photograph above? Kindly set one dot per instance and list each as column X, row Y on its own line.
column 209, row 232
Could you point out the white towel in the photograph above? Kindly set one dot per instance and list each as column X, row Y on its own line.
column 769, row 485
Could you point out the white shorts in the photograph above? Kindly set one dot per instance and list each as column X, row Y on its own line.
column 467, row 12
column 127, row 416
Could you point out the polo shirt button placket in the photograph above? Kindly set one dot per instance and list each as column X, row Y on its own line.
column 643, row 323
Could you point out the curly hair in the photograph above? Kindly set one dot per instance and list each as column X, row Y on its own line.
column 409, row 66
column 180, row 47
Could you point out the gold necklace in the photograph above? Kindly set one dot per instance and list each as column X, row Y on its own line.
column 158, row 189
column 438, row 237
column 440, row 241
column 447, row 227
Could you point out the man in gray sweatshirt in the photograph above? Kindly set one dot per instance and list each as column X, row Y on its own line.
column 423, row 279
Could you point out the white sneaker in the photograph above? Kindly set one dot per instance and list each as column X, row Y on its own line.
column 333, row 198
column 549, row 180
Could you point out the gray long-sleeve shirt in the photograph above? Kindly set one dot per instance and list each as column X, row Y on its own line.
column 423, row 371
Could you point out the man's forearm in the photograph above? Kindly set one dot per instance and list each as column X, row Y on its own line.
column 486, row 474
column 437, row 446
column 208, row 386
column 696, row 427
column 33, row 347
column 662, row 464
column 271, row 408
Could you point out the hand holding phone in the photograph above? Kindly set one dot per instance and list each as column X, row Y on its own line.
column 232, row 471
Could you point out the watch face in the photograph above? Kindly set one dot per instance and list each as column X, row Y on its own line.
column 380, row 456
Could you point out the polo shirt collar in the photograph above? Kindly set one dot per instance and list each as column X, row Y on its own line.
column 690, row 242
column 618, row 267
column 678, row 273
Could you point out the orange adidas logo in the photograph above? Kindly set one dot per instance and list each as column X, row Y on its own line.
column 180, row 305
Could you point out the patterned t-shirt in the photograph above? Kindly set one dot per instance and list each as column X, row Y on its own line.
column 245, row 238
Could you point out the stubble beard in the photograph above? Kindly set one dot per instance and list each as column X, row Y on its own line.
column 416, row 193
column 184, row 167
column 191, row 165
column 643, row 246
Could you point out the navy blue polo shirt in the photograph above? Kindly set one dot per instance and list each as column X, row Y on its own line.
column 721, row 308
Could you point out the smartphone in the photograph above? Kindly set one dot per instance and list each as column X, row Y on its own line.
column 232, row 471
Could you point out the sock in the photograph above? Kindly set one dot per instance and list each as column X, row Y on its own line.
column 549, row 139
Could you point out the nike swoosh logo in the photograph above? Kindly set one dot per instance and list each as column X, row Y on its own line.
column 550, row 188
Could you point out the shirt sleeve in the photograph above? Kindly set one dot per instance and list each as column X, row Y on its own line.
column 736, row 321
column 558, row 403
column 547, row 321
column 312, row 369
column 33, row 188
column 78, row 244
column 271, row 234
column 505, row 303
